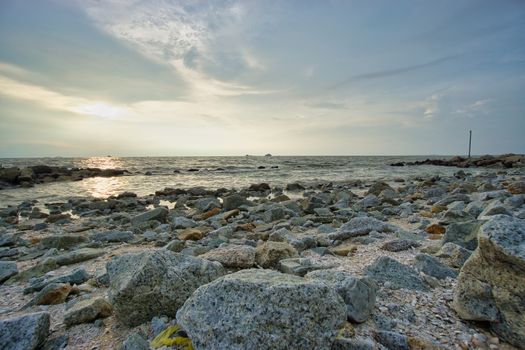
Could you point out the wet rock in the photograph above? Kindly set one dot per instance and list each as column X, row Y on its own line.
column 394, row 274
column 206, row 204
column 153, row 283
column 454, row 255
column 62, row 241
column 398, row 245
column 464, row 234
column 159, row 214
column 79, row 255
column 360, row 226
column 25, row 332
column 294, row 187
column 359, row 294
column 269, row 254
column 263, row 309
column 491, row 284
column 433, row 267
column 87, row 311
column 392, row 340
column 262, row 187
column 7, row 270
column 234, row 256
column 113, row 236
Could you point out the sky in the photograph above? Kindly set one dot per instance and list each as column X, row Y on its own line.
column 189, row 77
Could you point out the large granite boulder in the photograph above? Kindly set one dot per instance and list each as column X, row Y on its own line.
column 491, row 284
column 25, row 332
column 263, row 309
column 359, row 294
column 152, row 283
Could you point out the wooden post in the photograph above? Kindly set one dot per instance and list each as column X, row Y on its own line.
column 469, row 142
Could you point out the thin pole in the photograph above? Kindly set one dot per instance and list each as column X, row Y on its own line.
column 469, row 142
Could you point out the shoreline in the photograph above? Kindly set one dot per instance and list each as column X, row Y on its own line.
column 403, row 219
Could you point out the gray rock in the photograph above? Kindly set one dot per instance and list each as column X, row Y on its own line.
column 394, row 274
column 354, row 344
column 158, row 214
column 433, row 267
column 135, row 341
column 369, row 201
column 77, row 276
column 62, row 241
column 182, row 222
column 7, row 240
column 87, row 311
column 453, row 198
column 234, row 256
column 113, row 236
column 235, row 201
column 205, row 204
column 392, row 340
column 152, row 283
column 269, row 254
column 397, row 245
column 53, row 293
column 491, row 284
column 176, row 245
column 453, row 254
column 273, row 214
column 25, row 332
column 263, row 309
column 79, row 255
column 301, row 266
column 360, row 226
column 495, row 207
column 464, row 234
column 7, row 270
column 359, row 294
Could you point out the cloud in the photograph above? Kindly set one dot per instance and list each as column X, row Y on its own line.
column 473, row 109
column 180, row 34
column 391, row 72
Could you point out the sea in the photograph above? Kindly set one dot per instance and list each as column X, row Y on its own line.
column 148, row 174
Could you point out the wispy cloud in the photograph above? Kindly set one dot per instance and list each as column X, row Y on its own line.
column 471, row 110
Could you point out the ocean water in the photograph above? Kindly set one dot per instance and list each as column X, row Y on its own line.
column 214, row 172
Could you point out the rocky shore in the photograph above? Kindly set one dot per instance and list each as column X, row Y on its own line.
column 411, row 263
column 38, row 174
column 487, row 161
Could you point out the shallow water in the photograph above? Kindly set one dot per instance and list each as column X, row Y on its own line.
column 214, row 172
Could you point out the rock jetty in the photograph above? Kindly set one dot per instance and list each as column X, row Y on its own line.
column 487, row 161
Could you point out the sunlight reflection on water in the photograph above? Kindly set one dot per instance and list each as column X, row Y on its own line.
column 103, row 187
column 102, row 163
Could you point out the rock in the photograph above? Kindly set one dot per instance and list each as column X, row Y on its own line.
column 175, row 245
column 188, row 234
column 433, row 267
column 369, row 201
column 77, row 276
column 52, row 294
column 360, row 226
column 396, row 275
column 516, row 187
column 25, row 332
column 206, row 204
column 135, row 341
column 354, row 343
column 435, row 229
column 263, row 309
column 62, row 241
column 113, row 236
column 397, row 245
column 378, row 187
column 268, row 255
column 182, row 222
column 491, row 284
column 259, row 187
column 87, row 311
column 301, row 266
column 79, row 255
column 153, row 283
column 495, row 207
column 274, row 214
column 463, row 233
column 455, row 255
column 295, row 186
column 234, row 202
column 392, row 340
column 158, row 214
column 234, row 256
column 359, row 294
column 7, row 270
column 8, row 240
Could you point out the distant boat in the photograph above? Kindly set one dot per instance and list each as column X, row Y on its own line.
column 267, row 155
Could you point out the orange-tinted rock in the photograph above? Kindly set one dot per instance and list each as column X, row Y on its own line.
column 435, row 229
column 190, row 234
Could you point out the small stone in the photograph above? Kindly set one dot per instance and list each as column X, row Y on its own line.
column 190, row 234
column 435, row 229
column 87, row 311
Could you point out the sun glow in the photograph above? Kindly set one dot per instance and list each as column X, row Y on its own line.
column 100, row 109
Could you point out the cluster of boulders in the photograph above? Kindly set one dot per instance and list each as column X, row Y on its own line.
column 269, row 268
column 490, row 161
column 37, row 174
